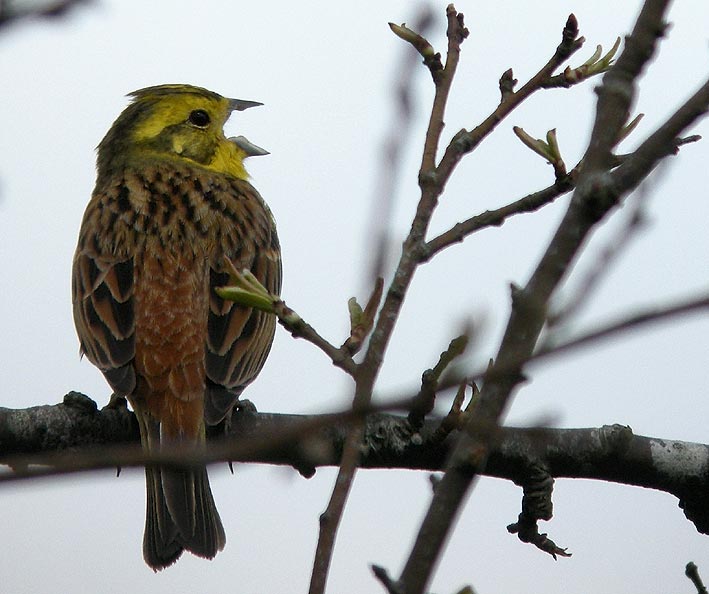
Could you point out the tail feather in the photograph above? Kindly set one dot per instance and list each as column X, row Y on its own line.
column 161, row 547
column 189, row 499
column 181, row 513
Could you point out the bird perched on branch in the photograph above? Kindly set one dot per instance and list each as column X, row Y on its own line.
column 172, row 206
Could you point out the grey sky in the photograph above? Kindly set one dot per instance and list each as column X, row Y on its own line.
column 324, row 71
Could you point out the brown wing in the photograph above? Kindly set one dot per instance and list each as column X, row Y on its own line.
column 102, row 291
column 239, row 338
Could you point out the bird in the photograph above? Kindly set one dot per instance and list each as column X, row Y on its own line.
column 172, row 210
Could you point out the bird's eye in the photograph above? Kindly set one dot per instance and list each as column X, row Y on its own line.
column 199, row 118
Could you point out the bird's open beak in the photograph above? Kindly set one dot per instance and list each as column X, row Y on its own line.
column 248, row 147
column 241, row 104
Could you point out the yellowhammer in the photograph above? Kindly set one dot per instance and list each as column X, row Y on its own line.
column 171, row 203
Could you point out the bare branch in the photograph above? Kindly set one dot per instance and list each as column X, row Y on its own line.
column 397, row 138
column 634, row 222
column 103, row 439
column 299, row 328
column 663, row 142
column 651, row 314
column 497, row 217
column 369, row 368
column 464, row 142
column 529, row 306
column 692, row 572
column 424, row 401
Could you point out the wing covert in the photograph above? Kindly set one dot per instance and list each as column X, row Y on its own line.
column 239, row 338
column 102, row 295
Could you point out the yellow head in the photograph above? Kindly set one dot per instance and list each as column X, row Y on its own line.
column 176, row 122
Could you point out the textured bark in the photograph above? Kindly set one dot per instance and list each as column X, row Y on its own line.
column 610, row 453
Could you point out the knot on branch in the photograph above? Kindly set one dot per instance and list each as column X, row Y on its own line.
column 76, row 422
column 536, row 505
column 615, row 438
column 385, row 434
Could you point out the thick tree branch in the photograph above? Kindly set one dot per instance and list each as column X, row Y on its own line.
column 76, row 436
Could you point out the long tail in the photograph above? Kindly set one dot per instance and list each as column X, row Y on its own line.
column 180, row 514
column 161, row 547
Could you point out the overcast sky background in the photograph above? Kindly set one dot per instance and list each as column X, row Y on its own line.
column 325, row 72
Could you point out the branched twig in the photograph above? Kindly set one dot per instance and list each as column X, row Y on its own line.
column 379, row 237
column 497, row 217
column 529, row 203
column 299, row 328
column 391, row 586
column 591, row 67
column 369, row 368
column 424, row 401
column 465, row 141
column 529, row 304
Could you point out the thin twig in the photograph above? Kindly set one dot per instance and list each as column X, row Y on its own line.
column 641, row 318
column 369, row 368
column 396, row 140
column 692, row 572
column 299, row 328
column 653, row 314
column 456, row 34
column 466, row 141
column 530, row 203
column 634, row 222
column 424, row 401
column 528, row 306
column 497, row 217
column 665, row 141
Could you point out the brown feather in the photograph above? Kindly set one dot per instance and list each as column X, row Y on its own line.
column 148, row 259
